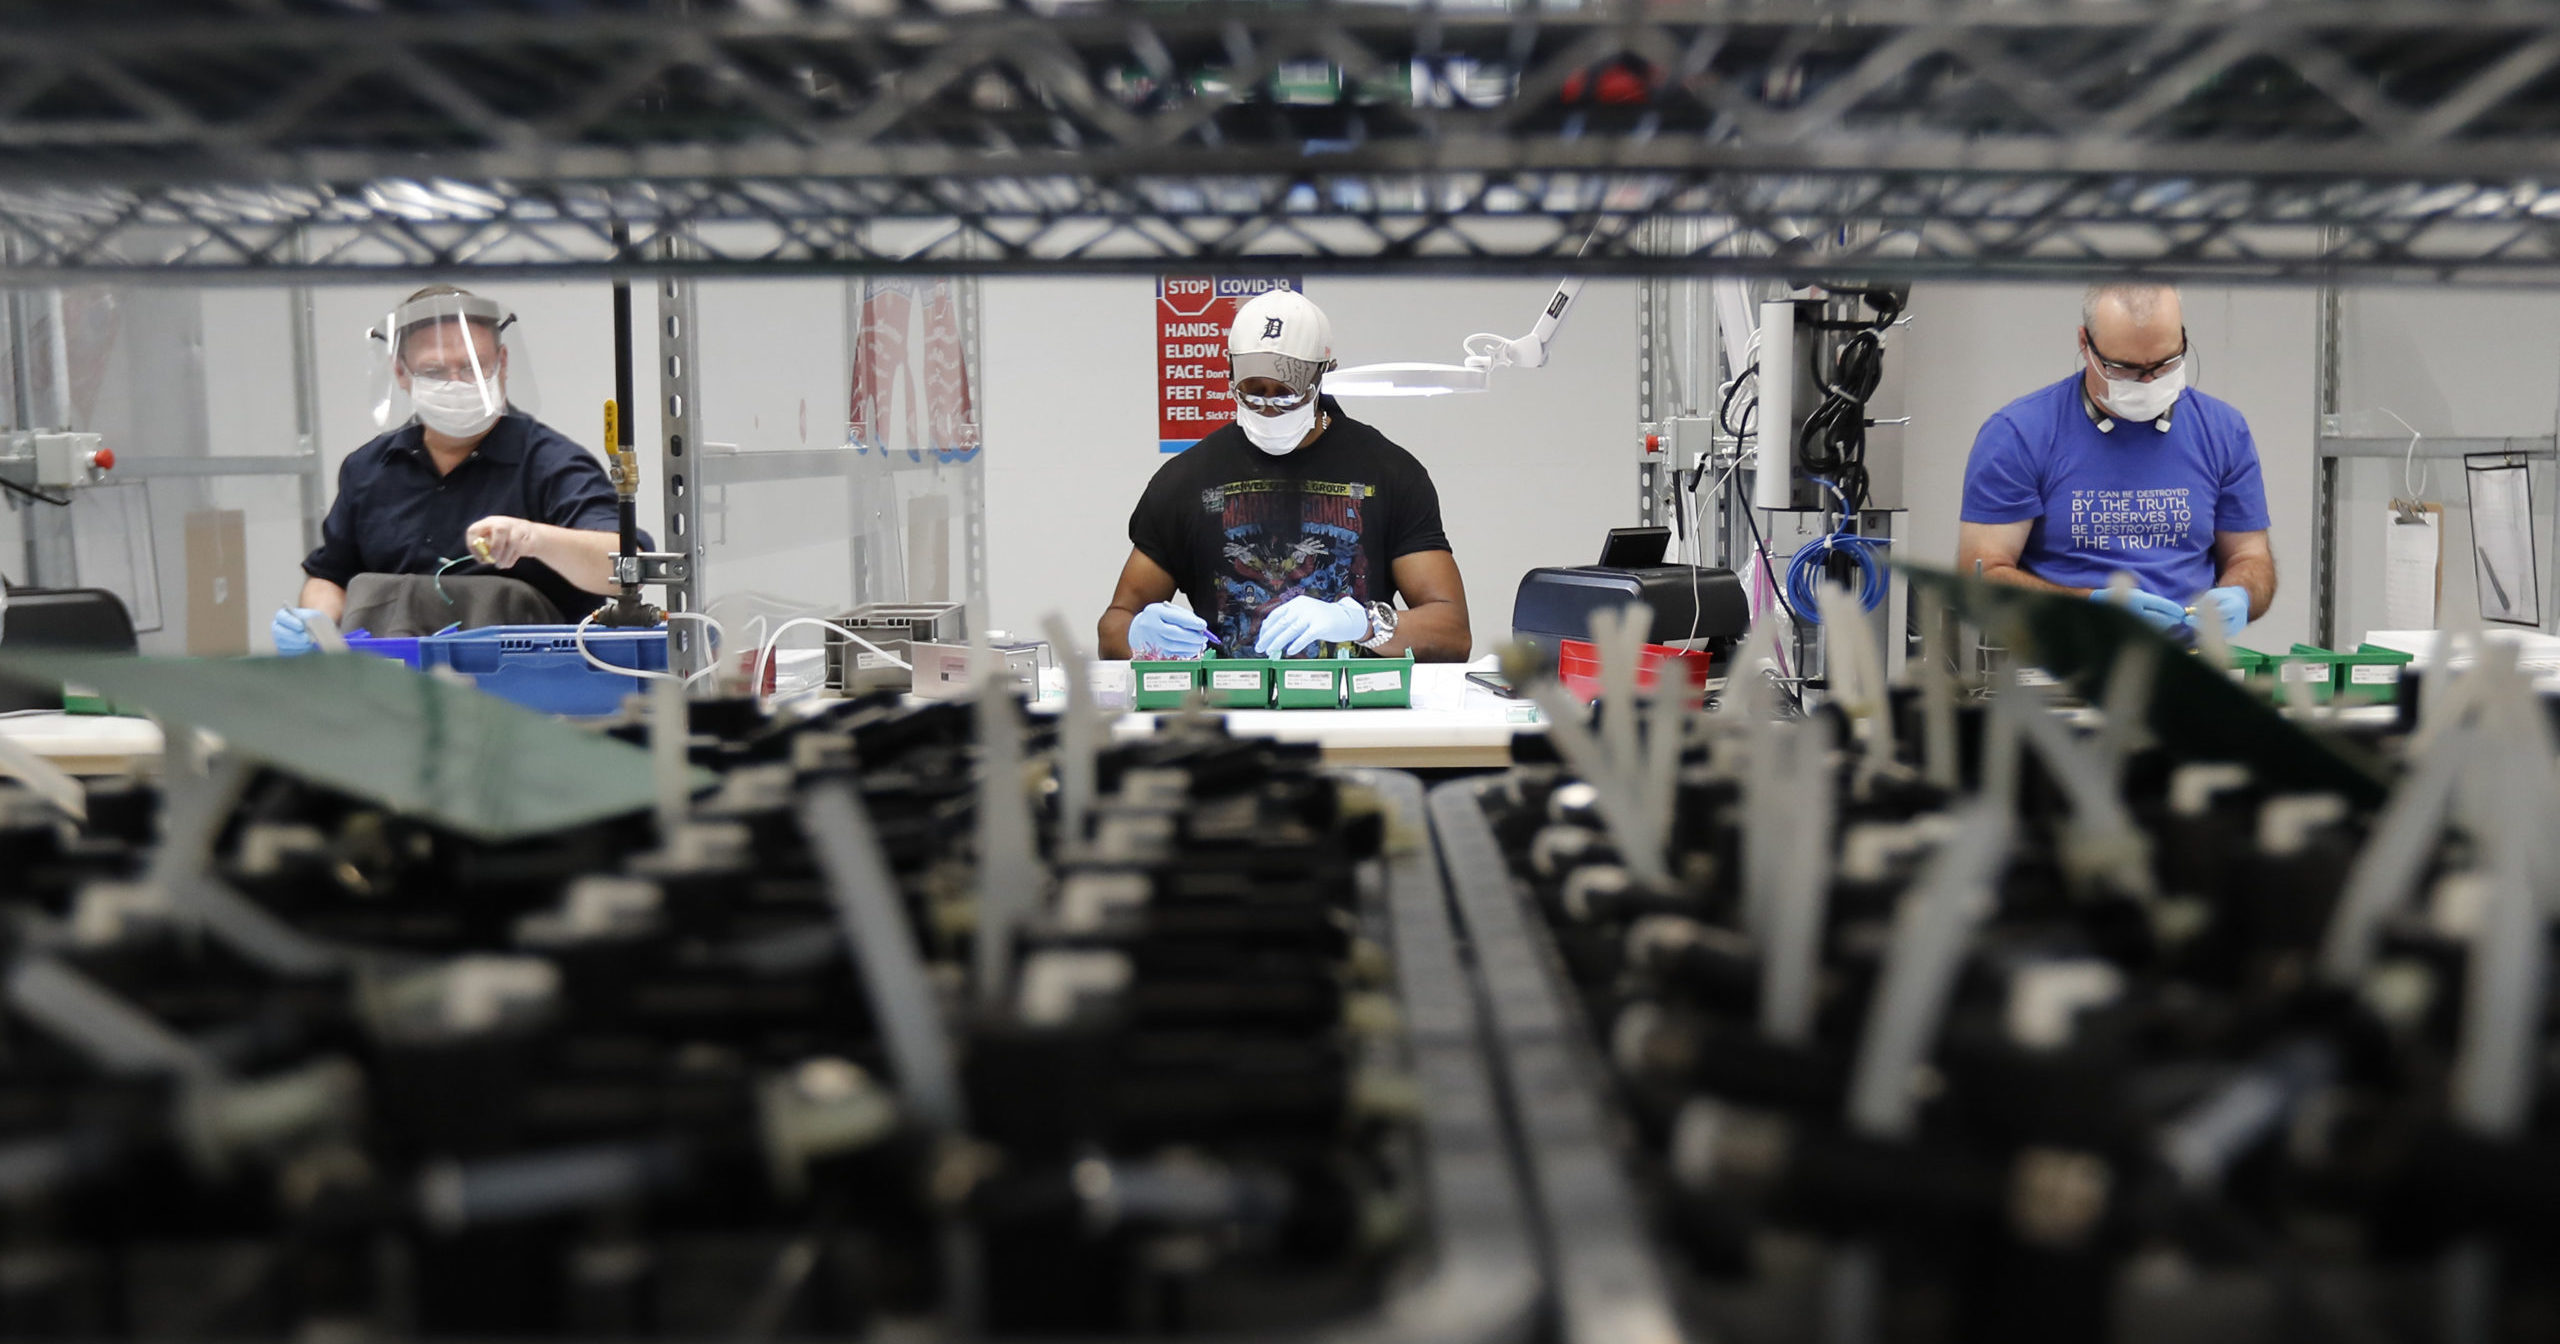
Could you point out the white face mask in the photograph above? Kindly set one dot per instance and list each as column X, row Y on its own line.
column 453, row 408
column 1279, row 434
column 2130, row 400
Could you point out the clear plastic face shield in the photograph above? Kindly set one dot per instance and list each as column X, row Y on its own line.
column 454, row 361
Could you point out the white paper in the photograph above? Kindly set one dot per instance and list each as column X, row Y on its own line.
column 2502, row 544
column 2412, row 557
column 1369, row 683
column 1233, row 680
column 1306, row 679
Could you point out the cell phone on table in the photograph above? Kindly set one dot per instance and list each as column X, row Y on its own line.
column 1496, row 683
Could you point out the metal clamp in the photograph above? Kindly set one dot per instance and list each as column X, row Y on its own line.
column 652, row 567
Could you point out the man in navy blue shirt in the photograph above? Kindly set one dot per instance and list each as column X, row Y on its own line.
column 2122, row 468
column 471, row 476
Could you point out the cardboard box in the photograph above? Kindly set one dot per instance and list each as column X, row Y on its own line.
column 217, row 583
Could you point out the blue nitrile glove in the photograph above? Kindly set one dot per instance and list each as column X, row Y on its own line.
column 291, row 638
column 1304, row 621
column 2231, row 604
column 2156, row 611
column 1164, row 630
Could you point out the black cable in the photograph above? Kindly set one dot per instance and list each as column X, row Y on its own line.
column 1724, row 411
column 1833, row 442
column 59, row 502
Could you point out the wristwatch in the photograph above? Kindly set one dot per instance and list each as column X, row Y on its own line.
column 1382, row 626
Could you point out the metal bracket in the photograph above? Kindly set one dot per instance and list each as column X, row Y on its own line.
column 674, row 567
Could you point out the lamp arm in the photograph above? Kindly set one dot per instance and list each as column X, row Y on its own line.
column 1486, row 350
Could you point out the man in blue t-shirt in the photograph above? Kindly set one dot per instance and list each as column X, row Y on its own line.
column 2123, row 468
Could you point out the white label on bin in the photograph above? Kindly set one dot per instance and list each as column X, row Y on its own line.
column 2306, row 672
column 2374, row 674
column 867, row 661
column 2036, row 676
column 2240, row 674
column 1235, row 681
column 1164, row 681
column 1367, row 683
column 1306, row 679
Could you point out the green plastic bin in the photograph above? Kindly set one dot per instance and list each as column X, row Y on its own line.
column 2250, row 667
column 1162, row 684
column 1378, row 683
column 2368, row 676
column 1309, row 683
column 1238, row 683
column 2305, row 674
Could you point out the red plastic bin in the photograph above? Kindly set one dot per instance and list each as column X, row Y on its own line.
column 1578, row 667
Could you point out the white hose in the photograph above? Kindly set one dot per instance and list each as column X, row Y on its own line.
column 580, row 639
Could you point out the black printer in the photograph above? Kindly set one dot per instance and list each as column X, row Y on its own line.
column 1693, row 606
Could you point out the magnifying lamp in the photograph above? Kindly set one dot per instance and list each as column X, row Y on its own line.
column 1485, row 353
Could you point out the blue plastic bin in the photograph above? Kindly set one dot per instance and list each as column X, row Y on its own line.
column 538, row 667
column 399, row 649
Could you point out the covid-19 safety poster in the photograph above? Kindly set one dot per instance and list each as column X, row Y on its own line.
column 1192, row 317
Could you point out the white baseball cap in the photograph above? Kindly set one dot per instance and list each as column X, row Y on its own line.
column 1281, row 334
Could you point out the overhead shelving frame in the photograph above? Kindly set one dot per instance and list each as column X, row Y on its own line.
column 2388, row 139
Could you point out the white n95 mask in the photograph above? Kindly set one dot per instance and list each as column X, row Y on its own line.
column 2131, row 400
column 1279, row 434
column 454, row 408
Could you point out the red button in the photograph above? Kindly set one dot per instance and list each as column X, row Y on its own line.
column 104, row 459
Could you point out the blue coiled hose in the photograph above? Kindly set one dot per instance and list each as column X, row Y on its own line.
column 1805, row 572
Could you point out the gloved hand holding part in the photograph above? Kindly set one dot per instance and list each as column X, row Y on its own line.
column 2227, row 605
column 290, row 635
column 2156, row 611
column 1164, row 630
column 1302, row 622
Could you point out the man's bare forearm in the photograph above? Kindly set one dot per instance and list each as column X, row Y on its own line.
column 323, row 596
column 1111, row 634
column 2019, row 578
column 1435, row 632
column 583, row 558
column 2257, row 574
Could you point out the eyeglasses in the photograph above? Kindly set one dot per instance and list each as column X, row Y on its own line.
column 1286, row 401
column 2136, row 373
column 450, row 373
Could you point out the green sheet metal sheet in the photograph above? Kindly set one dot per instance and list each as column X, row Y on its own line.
column 2193, row 707
column 371, row 728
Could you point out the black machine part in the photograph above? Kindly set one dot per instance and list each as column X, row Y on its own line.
column 1691, row 603
column 89, row 620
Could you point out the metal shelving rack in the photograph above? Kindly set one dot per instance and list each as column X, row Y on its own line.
column 2384, row 138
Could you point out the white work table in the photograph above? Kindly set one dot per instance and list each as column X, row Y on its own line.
column 1453, row 724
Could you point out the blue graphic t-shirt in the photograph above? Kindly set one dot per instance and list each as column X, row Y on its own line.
column 2137, row 498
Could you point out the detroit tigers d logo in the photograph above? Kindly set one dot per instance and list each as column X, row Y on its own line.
column 1271, row 328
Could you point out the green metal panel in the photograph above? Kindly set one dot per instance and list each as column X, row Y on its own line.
column 2194, row 708
column 371, row 728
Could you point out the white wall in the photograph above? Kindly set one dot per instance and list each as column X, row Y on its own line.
column 1530, row 473
column 2449, row 362
column 1973, row 348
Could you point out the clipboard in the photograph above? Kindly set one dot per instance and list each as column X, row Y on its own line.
column 2503, row 550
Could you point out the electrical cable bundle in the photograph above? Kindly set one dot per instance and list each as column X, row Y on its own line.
column 1833, row 441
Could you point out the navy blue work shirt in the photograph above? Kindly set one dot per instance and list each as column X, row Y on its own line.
column 395, row 515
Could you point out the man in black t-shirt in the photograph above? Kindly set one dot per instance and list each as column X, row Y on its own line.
column 1291, row 529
